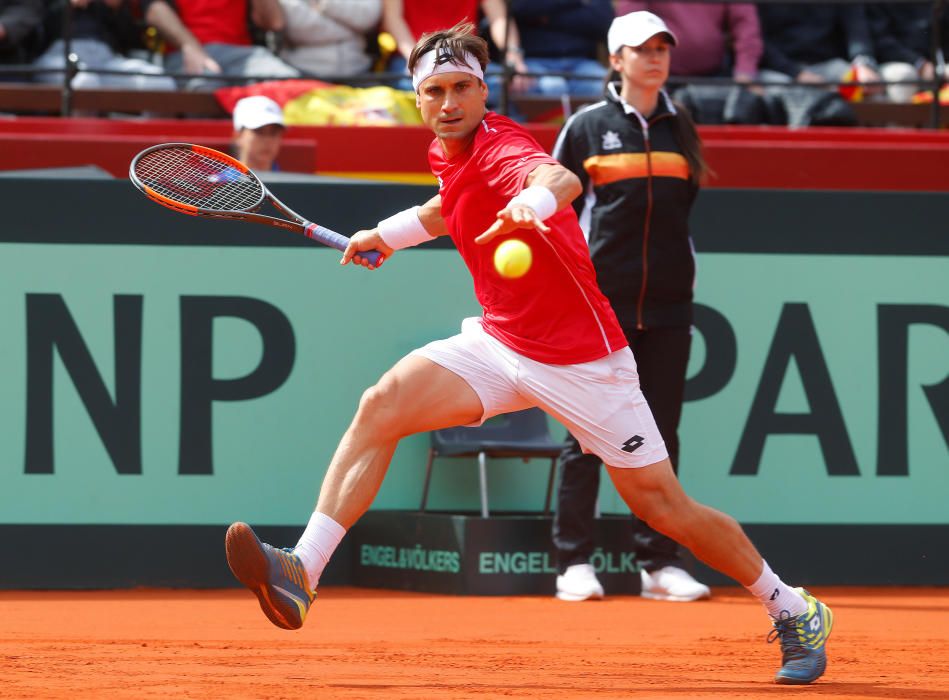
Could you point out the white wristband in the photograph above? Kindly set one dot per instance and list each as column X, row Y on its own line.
column 403, row 230
column 538, row 198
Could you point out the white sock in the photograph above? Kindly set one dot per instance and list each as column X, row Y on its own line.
column 776, row 595
column 317, row 544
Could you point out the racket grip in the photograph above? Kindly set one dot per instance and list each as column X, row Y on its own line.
column 338, row 241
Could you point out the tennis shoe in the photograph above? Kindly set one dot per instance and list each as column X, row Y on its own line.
column 803, row 642
column 275, row 576
column 672, row 583
column 578, row 583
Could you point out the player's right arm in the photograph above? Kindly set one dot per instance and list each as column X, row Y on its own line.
column 405, row 229
column 194, row 58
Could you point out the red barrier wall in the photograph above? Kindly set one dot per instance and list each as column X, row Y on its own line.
column 741, row 157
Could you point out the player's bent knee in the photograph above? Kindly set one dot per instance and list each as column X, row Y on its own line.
column 379, row 410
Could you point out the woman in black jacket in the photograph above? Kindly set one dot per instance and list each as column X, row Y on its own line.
column 640, row 161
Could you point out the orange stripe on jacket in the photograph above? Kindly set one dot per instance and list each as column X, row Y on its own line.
column 623, row 166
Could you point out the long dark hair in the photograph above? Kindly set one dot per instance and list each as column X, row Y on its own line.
column 690, row 142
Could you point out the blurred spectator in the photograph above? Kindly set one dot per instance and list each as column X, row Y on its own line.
column 810, row 43
column 209, row 37
column 258, row 132
column 103, row 32
column 563, row 36
column 902, row 34
column 715, row 39
column 328, row 37
column 19, row 21
column 408, row 20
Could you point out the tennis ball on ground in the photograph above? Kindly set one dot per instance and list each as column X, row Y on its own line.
column 512, row 258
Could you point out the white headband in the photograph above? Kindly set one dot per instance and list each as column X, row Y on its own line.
column 427, row 66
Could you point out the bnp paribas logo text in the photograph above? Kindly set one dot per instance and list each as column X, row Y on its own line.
column 542, row 562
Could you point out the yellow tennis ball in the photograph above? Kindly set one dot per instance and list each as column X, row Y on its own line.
column 512, row 258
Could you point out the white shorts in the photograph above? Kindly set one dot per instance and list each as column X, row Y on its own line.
column 599, row 402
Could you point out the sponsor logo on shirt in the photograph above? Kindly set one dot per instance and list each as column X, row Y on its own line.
column 611, row 141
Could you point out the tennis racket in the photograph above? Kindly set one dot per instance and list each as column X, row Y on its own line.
column 201, row 181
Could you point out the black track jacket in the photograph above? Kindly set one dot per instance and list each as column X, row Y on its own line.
column 635, row 208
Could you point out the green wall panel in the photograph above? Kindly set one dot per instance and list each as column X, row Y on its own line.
column 778, row 441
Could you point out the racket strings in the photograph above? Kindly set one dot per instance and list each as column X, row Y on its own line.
column 196, row 179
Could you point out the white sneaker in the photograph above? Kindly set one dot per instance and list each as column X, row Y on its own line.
column 578, row 583
column 673, row 583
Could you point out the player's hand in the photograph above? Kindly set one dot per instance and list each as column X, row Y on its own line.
column 510, row 218
column 365, row 240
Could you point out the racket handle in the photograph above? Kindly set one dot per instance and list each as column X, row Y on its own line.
column 338, row 241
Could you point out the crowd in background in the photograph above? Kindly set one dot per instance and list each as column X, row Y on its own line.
column 880, row 51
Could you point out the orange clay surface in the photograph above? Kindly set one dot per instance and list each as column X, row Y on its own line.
column 357, row 643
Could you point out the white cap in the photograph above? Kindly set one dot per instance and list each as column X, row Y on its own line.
column 255, row 112
column 635, row 29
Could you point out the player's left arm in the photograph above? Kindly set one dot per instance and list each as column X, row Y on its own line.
column 550, row 187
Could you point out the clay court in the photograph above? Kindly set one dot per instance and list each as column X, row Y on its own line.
column 361, row 643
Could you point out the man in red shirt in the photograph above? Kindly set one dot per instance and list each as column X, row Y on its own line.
column 547, row 339
column 208, row 37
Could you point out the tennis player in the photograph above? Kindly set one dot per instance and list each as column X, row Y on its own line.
column 547, row 339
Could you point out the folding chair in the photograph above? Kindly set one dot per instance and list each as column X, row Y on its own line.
column 523, row 434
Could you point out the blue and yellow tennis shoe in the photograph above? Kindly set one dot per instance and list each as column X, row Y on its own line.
column 803, row 642
column 275, row 576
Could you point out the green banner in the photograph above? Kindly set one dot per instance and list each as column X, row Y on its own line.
column 836, row 405
column 150, row 384
column 227, row 421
